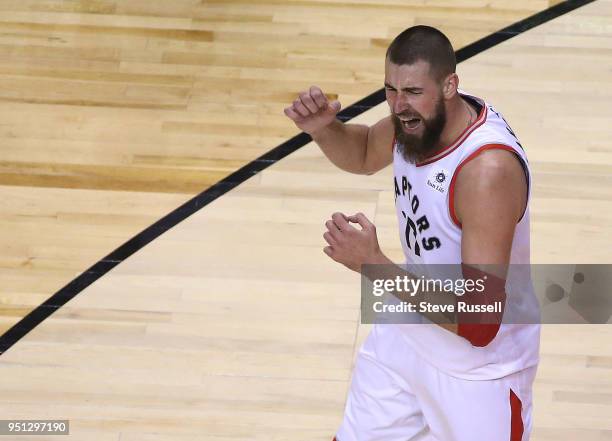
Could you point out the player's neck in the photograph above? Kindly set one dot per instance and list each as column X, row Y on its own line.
column 460, row 115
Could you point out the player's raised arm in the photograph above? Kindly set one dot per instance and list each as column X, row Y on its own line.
column 354, row 148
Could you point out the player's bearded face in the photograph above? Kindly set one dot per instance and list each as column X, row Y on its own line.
column 417, row 136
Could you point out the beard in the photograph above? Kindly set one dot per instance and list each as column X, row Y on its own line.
column 416, row 148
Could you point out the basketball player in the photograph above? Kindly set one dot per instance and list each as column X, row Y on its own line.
column 462, row 188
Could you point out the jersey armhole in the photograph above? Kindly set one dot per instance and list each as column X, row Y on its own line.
column 451, row 191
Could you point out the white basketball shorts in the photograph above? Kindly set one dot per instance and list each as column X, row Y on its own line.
column 396, row 396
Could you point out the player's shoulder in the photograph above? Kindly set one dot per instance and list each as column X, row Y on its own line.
column 490, row 188
column 494, row 132
column 492, row 157
column 493, row 171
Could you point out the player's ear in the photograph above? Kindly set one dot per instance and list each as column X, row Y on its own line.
column 450, row 85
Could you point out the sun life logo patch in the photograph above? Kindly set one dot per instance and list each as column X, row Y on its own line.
column 438, row 180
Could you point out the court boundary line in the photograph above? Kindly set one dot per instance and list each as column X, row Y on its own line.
column 152, row 232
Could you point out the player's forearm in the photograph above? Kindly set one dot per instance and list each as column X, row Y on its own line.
column 344, row 145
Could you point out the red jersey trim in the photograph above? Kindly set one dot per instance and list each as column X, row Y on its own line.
column 516, row 419
column 443, row 152
column 451, row 189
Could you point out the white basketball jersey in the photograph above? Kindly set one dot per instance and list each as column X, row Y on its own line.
column 431, row 234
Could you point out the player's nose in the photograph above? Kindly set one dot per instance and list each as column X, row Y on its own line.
column 400, row 104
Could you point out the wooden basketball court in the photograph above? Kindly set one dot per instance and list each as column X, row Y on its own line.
column 233, row 324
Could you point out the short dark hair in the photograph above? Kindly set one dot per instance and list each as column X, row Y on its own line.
column 427, row 44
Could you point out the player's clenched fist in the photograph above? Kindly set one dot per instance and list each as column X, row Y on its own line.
column 350, row 246
column 312, row 111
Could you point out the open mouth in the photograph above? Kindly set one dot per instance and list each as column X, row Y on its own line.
column 410, row 123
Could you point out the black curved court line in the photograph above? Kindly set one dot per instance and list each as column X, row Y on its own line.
column 61, row 297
